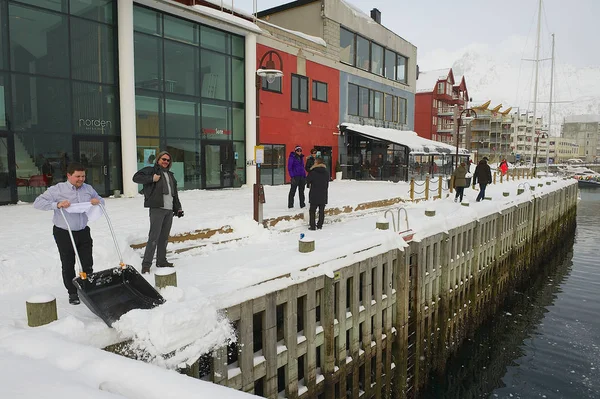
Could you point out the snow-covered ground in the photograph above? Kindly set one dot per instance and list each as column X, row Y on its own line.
column 211, row 276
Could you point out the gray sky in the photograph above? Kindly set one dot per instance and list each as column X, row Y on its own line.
column 442, row 29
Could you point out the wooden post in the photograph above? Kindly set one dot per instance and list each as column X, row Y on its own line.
column 165, row 277
column 306, row 245
column 41, row 310
column 382, row 225
column 440, row 187
column 412, row 189
column 501, row 177
column 451, row 184
column 495, row 173
column 427, row 187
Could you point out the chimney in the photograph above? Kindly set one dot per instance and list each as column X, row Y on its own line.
column 376, row 15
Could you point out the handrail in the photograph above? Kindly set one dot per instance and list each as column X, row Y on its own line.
column 393, row 221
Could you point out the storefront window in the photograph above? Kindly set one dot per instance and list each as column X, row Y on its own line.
column 239, row 148
column 92, row 49
column 94, row 109
column 42, row 104
column 186, row 163
column 239, row 124
column 147, row 114
column 99, row 10
column 55, row 5
column 272, row 172
column 147, row 21
column 180, row 118
column 238, row 47
column 3, row 113
column 38, row 41
column 215, row 122
column 238, row 81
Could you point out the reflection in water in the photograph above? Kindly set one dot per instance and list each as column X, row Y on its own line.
column 546, row 341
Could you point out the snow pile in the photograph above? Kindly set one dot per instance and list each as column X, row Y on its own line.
column 177, row 332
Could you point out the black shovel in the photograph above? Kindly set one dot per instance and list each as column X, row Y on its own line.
column 111, row 293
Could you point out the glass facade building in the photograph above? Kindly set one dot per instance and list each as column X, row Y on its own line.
column 58, row 94
column 60, row 98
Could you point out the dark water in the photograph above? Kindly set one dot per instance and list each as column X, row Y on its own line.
column 546, row 342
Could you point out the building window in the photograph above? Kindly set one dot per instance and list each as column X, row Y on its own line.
column 299, row 93
column 440, row 88
column 272, row 171
column 347, row 50
column 362, row 53
column 377, row 105
column 401, row 65
column 363, row 102
column 376, row 59
column 319, row 91
column 402, row 110
column 389, row 108
column 390, row 65
column 274, row 87
column 352, row 99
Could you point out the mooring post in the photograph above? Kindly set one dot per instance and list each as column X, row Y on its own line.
column 327, row 320
column 440, row 181
column 270, row 345
column 427, row 187
column 165, row 277
column 41, row 310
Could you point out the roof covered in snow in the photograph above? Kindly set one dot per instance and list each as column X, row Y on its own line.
column 227, row 17
column 314, row 39
column 428, row 79
column 408, row 138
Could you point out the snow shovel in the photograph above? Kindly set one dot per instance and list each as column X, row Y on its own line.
column 111, row 293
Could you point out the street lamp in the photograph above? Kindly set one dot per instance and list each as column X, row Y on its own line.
column 268, row 70
column 537, row 142
column 470, row 115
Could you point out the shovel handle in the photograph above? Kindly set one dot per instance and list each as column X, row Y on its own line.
column 80, row 271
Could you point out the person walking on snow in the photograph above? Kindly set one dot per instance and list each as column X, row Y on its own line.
column 160, row 195
column 318, row 180
column 60, row 196
column 298, row 176
column 460, row 182
column 503, row 167
column 483, row 175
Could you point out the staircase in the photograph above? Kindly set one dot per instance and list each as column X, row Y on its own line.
column 25, row 163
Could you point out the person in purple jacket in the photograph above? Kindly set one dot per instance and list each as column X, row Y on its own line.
column 297, row 175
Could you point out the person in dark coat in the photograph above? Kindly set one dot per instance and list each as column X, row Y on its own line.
column 318, row 180
column 160, row 195
column 297, row 175
column 310, row 161
column 483, row 175
column 460, row 181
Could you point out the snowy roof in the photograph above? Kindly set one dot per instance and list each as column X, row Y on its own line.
column 408, row 138
column 582, row 118
column 313, row 39
column 228, row 18
column 428, row 79
column 357, row 12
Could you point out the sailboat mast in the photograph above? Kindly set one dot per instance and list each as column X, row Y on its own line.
column 550, row 106
column 537, row 63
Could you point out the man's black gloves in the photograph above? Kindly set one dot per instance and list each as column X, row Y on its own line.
column 178, row 213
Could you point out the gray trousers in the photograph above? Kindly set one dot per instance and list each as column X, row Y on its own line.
column 160, row 227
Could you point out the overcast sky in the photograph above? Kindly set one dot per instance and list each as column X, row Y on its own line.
column 442, row 29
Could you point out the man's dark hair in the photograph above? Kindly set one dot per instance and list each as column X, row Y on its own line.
column 75, row 167
column 313, row 151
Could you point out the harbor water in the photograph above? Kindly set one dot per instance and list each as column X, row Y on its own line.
column 546, row 341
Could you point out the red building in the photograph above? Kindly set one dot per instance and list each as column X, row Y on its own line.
column 302, row 108
column 437, row 93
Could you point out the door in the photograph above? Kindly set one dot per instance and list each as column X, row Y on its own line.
column 8, row 189
column 219, row 165
column 101, row 157
column 325, row 153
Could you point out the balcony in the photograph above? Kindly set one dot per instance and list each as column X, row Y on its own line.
column 445, row 111
column 445, row 129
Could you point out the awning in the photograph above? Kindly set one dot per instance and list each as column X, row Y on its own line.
column 417, row 145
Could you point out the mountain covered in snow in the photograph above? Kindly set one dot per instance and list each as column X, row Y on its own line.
column 504, row 77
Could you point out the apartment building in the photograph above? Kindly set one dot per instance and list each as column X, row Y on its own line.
column 491, row 133
column 439, row 100
column 585, row 131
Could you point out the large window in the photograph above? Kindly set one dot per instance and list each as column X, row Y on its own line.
column 272, row 171
column 299, row 93
column 368, row 103
column 190, row 96
column 370, row 56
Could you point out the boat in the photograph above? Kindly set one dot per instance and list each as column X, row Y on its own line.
column 588, row 179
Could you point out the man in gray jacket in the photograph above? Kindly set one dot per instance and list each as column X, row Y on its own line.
column 160, row 195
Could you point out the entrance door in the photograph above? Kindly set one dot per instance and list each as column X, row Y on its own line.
column 325, row 153
column 8, row 189
column 219, row 165
column 101, row 157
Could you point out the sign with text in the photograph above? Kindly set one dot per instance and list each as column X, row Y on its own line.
column 259, row 154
